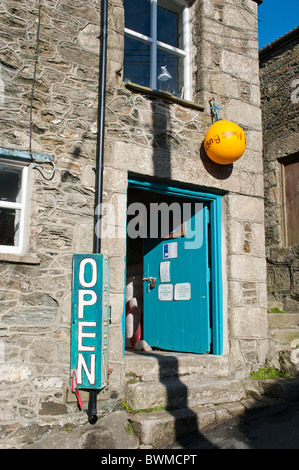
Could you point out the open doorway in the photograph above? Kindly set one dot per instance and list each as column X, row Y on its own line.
column 169, row 294
column 134, row 276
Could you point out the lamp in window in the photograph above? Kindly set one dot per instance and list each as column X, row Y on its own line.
column 164, row 75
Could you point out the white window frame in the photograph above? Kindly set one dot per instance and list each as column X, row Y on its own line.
column 21, row 206
column 154, row 43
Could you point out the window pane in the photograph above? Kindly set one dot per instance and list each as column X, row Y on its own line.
column 170, row 64
column 10, row 183
column 168, row 27
column 137, row 62
column 9, row 226
column 137, row 16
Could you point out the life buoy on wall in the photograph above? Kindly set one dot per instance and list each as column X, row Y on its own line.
column 133, row 325
column 225, row 142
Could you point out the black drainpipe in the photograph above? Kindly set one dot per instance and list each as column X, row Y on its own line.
column 92, row 404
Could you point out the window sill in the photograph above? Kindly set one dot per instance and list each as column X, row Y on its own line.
column 19, row 259
column 163, row 95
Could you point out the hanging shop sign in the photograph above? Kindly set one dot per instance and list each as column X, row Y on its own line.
column 225, row 142
column 90, row 320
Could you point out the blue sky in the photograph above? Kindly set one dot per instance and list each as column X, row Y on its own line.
column 276, row 18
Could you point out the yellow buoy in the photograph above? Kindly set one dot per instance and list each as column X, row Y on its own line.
column 225, row 142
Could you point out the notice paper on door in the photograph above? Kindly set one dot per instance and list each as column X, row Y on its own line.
column 170, row 250
column 165, row 292
column 165, row 271
column 182, row 291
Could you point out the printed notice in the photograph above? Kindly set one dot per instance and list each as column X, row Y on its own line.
column 165, row 271
column 165, row 292
column 170, row 250
column 182, row 291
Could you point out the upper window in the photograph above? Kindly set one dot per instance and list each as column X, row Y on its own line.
column 157, row 45
column 13, row 184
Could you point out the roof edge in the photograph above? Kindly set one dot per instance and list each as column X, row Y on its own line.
column 274, row 45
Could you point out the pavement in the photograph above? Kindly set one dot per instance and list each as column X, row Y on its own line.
column 266, row 427
column 110, row 432
column 270, row 421
column 271, row 427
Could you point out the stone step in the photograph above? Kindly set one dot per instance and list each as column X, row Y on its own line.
column 284, row 330
column 154, row 366
column 283, row 320
column 281, row 388
column 183, row 392
column 161, row 428
column 285, row 336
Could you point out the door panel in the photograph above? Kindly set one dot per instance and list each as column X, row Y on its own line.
column 177, row 308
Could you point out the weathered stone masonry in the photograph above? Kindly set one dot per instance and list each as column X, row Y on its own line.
column 152, row 137
column 279, row 72
column 147, row 136
column 36, row 287
column 279, row 69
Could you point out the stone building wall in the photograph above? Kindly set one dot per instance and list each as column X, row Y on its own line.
column 36, row 286
column 279, row 72
column 146, row 136
column 150, row 136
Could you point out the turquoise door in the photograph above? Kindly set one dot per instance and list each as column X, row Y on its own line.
column 176, row 286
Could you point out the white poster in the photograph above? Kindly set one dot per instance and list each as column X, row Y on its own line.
column 165, row 271
column 170, row 250
column 165, row 292
column 182, row 291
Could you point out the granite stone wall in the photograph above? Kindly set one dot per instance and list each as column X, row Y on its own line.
column 148, row 136
column 35, row 287
column 279, row 74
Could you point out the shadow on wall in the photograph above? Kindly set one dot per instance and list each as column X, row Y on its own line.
column 161, row 139
column 162, row 145
column 219, row 172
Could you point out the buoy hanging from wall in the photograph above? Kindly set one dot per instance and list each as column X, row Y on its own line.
column 225, row 142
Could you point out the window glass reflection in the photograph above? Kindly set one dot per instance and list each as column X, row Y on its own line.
column 137, row 15
column 169, row 71
column 9, row 227
column 168, row 27
column 137, row 62
column 10, row 183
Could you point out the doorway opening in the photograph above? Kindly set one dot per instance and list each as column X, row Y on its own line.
column 173, row 284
